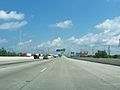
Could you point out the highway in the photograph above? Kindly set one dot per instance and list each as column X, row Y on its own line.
column 60, row 74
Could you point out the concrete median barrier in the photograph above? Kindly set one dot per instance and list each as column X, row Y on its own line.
column 15, row 60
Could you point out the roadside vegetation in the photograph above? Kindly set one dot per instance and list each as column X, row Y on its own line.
column 99, row 54
column 103, row 54
column 4, row 52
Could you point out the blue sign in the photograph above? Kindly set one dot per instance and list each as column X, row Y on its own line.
column 58, row 50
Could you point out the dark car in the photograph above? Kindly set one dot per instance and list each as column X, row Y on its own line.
column 45, row 57
column 36, row 56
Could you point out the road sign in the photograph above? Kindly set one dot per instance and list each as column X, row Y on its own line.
column 62, row 50
column 72, row 52
column 58, row 50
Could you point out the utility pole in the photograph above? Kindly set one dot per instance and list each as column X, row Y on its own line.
column 109, row 51
column 119, row 42
column 92, row 51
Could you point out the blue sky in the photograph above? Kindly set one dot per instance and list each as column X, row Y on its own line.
column 55, row 23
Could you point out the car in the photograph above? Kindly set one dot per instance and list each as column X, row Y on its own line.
column 45, row 57
column 36, row 56
column 55, row 56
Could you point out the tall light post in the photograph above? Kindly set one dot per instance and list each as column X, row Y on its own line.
column 20, row 39
column 109, row 51
column 92, row 51
column 119, row 42
column 20, row 36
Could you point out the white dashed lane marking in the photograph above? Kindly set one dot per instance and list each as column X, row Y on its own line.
column 43, row 70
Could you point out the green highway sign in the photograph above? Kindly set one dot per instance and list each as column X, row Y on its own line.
column 62, row 50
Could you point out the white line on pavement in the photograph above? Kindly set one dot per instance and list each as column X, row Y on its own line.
column 43, row 70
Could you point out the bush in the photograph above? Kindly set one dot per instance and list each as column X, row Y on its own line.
column 101, row 54
column 116, row 56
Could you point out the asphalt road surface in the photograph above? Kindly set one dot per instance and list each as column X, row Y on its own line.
column 60, row 74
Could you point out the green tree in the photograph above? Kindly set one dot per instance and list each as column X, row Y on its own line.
column 4, row 52
column 101, row 54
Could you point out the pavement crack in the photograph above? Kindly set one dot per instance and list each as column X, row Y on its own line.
column 28, row 81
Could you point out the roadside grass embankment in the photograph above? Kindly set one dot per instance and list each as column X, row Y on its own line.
column 110, row 61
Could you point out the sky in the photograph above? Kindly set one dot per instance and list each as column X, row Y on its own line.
column 42, row 25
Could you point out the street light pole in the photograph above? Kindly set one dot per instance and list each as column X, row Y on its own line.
column 92, row 51
column 119, row 42
column 20, row 38
column 109, row 51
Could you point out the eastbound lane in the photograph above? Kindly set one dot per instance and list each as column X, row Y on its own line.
column 61, row 74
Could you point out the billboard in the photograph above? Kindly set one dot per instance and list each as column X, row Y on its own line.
column 83, row 53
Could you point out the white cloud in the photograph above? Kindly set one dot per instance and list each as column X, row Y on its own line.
column 88, row 39
column 72, row 38
column 25, row 46
column 109, row 35
column 54, row 43
column 110, row 26
column 12, row 25
column 25, row 43
column 63, row 25
column 11, row 15
column 113, row 41
column 110, row 30
column 3, row 41
column 13, row 20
